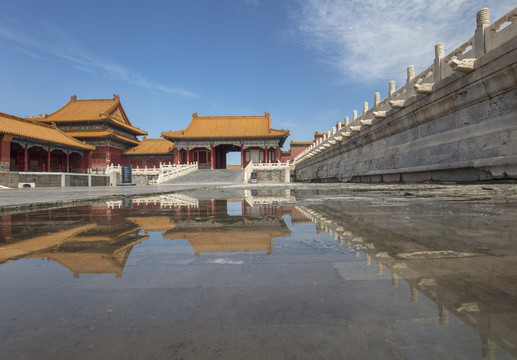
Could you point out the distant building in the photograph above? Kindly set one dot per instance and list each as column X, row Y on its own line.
column 99, row 122
column 296, row 147
column 319, row 136
column 208, row 139
column 150, row 153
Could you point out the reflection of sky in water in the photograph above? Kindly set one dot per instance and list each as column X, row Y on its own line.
column 234, row 208
column 331, row 286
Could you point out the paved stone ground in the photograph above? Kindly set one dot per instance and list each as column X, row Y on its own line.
column 12, row 200
column 17, row 200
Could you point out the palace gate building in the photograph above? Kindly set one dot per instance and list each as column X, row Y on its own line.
column 208, row 139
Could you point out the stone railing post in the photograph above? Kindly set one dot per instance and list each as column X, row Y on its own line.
column 355, row 115
column 391, row 89
column 365, row 108
column 409, row 86
column 482, row 20
column 439, row 53
column 376, row 99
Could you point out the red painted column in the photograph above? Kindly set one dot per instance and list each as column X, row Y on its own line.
column 176, row 155
column 188, row 155
column 67, row 161
column 212, row 156
column 5, row 149
column 277, row 153
column 48, row 160
column 26, row 159
column 90, row 155
column 242, row 155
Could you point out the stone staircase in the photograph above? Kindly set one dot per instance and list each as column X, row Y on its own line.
column 211, row 177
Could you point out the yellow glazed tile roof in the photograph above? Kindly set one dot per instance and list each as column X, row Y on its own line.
column 248, row 126
column 126, row 139
column 15, row 126
column 90, row 133
column 301, row 143
column 152, row 146
column 92, row 110
column 101, row 134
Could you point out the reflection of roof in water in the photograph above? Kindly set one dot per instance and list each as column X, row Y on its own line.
column 95, row 254
column 154, row 223
column 38, row 244
column 230, row 241
column 91, row 262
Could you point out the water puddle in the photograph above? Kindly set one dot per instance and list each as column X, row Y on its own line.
column 260, row 274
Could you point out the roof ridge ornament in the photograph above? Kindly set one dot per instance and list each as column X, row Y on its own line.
column 116, row 97
column 194, row 115
column 73, row 98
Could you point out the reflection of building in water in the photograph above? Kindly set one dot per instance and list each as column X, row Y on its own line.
column 92, row 248
column 267, row 197
column 475, row 287
column 98, row 250
column 99, row 238
column 86, row 240
column 18, row 249
column 220, row 226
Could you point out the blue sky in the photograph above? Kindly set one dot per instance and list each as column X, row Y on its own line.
column 309, row 63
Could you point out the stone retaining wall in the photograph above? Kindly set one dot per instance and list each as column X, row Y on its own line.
column 9, row 179
column 144, row 179
column 464, row 130
column 13, row 179
column 270, row 176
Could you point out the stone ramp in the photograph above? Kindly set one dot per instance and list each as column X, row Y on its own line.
column 211, row 177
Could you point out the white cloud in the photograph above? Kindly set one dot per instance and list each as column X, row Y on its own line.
column 54, row 42
column 371, row 40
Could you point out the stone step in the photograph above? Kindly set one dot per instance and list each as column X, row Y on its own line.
column 208, row 176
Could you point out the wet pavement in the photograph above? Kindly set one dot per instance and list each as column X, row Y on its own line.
column 298, row 272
